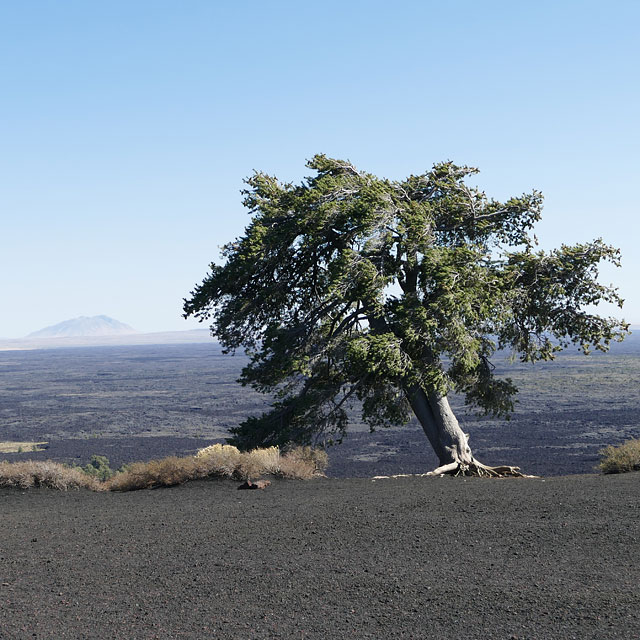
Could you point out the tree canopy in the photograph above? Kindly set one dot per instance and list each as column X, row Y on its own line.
column 352, row 287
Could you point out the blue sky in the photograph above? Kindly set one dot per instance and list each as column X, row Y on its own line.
column 127, row 128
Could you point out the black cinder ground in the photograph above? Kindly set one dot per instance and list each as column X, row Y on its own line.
column 398, row 558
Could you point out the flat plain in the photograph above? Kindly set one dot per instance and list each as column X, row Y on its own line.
column 550, row 558
column 138, row 402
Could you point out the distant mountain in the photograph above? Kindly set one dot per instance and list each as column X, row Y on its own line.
column 83, row 326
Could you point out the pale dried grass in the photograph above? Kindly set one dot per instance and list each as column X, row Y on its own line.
column 21, row 447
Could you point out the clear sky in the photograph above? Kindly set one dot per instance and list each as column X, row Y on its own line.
column 127, row 126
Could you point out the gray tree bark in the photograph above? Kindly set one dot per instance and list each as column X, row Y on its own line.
column 448, row 440
column 441, row 427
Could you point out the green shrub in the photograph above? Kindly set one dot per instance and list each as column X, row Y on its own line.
column 98, row 468
column 621, row 459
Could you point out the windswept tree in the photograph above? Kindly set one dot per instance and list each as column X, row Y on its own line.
column 395, row 294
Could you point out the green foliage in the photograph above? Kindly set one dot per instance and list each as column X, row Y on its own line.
column 351, row 287
column 98, row 468
column 621, row 459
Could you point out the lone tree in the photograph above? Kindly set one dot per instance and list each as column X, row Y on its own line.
column 396, row 294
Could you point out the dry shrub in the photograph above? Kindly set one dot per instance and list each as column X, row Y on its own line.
column 218, row 450
column 303, row 463
column 29, row 473
column 227, row 461
column 258, row 462
column 216, row 461
column 221, row 459
column 621, row 459
column 166, row 472
column 268, row 459
column 248, row 468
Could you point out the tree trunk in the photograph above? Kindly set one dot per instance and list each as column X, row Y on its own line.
column 440, row 426
column 448, row 440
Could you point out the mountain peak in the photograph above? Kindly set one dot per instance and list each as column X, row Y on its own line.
column 84, row 326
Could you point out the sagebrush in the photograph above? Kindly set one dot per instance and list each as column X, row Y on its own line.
column 216, row 461
column 621, row 459
column 53, row 475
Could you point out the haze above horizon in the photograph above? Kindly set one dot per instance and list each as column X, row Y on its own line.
column 128, row 128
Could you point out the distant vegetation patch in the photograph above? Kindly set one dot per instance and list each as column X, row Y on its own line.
column 22, row 447
column 621, row 459
column 216, row 461
column 98, row 468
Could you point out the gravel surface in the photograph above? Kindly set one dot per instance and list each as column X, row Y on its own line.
column 331, row 558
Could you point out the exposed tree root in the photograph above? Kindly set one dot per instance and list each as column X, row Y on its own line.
column 456, row 469
column 477, row 469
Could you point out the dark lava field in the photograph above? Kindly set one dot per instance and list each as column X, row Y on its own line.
column 142, row 402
